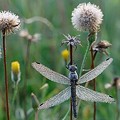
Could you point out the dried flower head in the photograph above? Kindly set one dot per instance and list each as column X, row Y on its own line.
column 65, row 54
column 9, row 22
column 33, row 38
column 71, row 40
column 15, row 72
column 23, row 33
column 36, row 37
column 115, row 83
column 87, row 17
column 101, row 46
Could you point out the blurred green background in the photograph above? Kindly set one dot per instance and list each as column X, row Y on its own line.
column 48, row 52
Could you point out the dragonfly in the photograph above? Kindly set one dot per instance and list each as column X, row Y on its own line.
column 74, row 89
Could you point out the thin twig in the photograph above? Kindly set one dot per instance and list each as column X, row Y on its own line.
column 117, row 103
column 26, row 77
column 94, row 82
column 71, row 55
column 71, row 62
column 5, row 73
column 36, row 115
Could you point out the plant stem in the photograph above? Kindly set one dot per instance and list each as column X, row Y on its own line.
column 71, row 55
column 15, row 93
column 36, row 115
column 71, row 62
column 94, row 82
column 26, row 77
column 5, row 73
column 82, row 66
column 117, row 102
column 84, row 58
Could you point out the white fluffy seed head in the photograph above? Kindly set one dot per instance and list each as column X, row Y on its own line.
column 87, row 17
column 9, row 22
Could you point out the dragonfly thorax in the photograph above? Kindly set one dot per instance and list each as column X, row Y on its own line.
column 73, row 76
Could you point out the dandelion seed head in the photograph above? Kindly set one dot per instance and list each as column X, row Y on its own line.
column 87, row 17
column 9, row 22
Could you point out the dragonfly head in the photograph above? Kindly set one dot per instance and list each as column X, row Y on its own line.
column 72, row 68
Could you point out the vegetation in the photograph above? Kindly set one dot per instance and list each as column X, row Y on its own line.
column 51, row 19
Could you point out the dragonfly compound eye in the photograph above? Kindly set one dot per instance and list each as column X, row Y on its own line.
column 72, row 68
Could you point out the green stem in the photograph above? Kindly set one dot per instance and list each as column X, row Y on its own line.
column 36, row 115
column 90, row 39
column 117, row 103
column 26, row 77
column 15, row 93
column 5, row 73
column 84, row 58
column 64, row 118
column 82, row 66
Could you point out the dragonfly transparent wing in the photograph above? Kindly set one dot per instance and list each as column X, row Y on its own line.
column 57, row 99
column 50, row 74
column 90, row 95
column 95, row 72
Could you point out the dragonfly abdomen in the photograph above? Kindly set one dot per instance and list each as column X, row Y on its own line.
column 73, row 96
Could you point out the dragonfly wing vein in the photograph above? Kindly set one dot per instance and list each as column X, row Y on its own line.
column 95, row 72
column 50, row 74
column 57, row 99
column 90, row 95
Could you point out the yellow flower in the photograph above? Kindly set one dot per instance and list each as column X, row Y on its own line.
column 65, row 54
column 15, row 72
column 15, row 67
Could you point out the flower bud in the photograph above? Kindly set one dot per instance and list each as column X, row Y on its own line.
column 15, row 72
column 35, row 102
column 65, row 54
